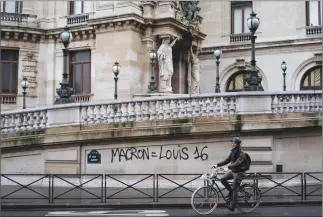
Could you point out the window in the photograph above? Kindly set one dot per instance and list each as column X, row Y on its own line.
column 313, row 13
column 236, row 82
column 240, row 12
column 9, row 71
column 11, row 6
column 312, row 79
column 80, row 71
column 79, row 7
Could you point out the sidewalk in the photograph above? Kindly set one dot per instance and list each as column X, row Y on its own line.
column 130, row 198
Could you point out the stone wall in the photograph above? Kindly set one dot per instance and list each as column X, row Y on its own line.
column 295, row 151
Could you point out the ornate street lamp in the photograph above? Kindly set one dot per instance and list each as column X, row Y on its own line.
column 284, row 67
column 152, row 87
column 217, row 54
column 65, row 92
column 24, row 84
column 116, row 71
column 253, row 79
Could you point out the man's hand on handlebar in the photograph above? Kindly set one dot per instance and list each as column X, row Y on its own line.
column 214, row 166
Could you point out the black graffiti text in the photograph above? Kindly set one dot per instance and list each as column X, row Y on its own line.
column 180, row 153
column 129, row 154
column 199, row 154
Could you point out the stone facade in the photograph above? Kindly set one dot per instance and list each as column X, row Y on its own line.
column 127, row 31
column 112, row 31
column 296, row 43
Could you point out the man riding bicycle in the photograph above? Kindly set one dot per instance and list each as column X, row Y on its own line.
column 236, row 171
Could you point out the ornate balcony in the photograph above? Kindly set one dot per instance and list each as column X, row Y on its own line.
column 161, row 108
column 17, row 19
column 313, row 30
column 240, row 37
column 77, row 19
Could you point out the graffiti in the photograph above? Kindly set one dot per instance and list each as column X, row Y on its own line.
column 165, row 153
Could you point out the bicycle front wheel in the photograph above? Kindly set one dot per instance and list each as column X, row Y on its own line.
column 204, row 200
column 248, row 198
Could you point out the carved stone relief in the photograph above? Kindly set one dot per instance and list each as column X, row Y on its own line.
column 29, row 70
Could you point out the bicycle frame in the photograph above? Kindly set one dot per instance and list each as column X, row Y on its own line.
column 217, row 187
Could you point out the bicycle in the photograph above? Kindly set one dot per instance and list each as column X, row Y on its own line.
column 209, row 191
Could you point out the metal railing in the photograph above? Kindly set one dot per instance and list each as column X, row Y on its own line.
column 112, row 189
column 146, row 188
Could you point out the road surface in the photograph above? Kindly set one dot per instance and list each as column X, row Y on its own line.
column 265, row 211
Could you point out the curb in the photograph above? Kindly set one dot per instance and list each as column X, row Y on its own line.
column 142, row 206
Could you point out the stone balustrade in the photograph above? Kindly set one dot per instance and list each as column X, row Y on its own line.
column 156, row 108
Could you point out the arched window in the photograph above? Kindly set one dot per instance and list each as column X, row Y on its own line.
column 236, row 82
column 312, row 79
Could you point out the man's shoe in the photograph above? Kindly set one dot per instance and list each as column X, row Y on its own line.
column 229, row 207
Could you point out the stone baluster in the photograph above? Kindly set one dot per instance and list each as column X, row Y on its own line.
column 315, row 103
column 91, row 114
column 225, row 106
column 111, row 114
column 291, row 103
column 43, row 119
column 232, row 106
column 285, row 99
column 301, row 103
column 98, row 114
column 160, row 110
column 117, row 117
column 105, row 113
column 210, row 106
column 189, row 108
column 145, row 111
column 274, row 104
column 296, row 103
column 30, row 121
column 167, row 110
column 153, row 111
column 174, row 107
column 305, row 103
column 196, row 108
column 124, row 112
column 131, row 112
column 280, row 104
column 6, row 124
column 12, row 120
column 24, row 121
column 218, row 106
column 319, row 102
column 18, row 122
column 203, row 107
column 37, row 120
column 84, row 115
column 138, row 111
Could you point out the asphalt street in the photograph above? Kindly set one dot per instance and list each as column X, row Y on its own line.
column 261, row 211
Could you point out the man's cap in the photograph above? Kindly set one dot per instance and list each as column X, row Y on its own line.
column 236, row 140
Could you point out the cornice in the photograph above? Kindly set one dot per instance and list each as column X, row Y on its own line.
column 93, row 26
column 263, row 48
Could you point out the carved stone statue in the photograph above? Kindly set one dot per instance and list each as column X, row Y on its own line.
column 165, row 63
column 194, row 83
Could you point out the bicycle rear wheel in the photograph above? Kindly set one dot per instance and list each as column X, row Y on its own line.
column 204, row 200
column 248, row 198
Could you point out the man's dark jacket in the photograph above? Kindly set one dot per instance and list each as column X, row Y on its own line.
column 238, row 161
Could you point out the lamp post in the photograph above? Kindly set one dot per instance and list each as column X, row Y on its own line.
column 284, row 67
column 24, row 84
column 65, row 92
column 253, row 80
column 152, row 87
column 217, row 54
column 116, row 71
